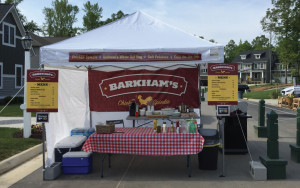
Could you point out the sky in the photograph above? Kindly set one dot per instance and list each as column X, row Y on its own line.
column 221, row 20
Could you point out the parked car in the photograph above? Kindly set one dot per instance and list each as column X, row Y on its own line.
column 243, row 88
column 288, row 91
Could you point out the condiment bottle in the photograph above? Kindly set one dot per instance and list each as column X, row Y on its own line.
column 177, row 126
column 158, row 128
column 164, row 127
column 132, row 108
column 196, row 128
column 172, row 127
column 154, row 124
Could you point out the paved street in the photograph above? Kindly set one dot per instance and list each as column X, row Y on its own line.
column 151, row 171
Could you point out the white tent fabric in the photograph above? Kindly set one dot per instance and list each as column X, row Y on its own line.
column 137, row 32
column 73, row 108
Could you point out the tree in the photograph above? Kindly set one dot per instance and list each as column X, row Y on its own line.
column 93, row 14
column 32, row 27
column 28, row 26
column 114, row 17
column 283, row 20
column 59, row 20
column 230, row 51
column 260, row 43
column 243, row 46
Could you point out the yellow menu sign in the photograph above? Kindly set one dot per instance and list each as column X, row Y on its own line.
column 222, row 84
column 42, row 91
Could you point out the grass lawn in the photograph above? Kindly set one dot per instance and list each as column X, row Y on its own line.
column 13, row 110
column 265, row 94
column 10, row 146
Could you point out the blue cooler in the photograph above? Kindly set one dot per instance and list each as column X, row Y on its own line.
column 70, row 143
column 77, row 162
column 82, row 131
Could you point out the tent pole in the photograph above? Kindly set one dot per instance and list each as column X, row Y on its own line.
column 91, row 123
column 43, row 135
column 199, row 87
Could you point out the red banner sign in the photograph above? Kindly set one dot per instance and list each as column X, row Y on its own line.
column 131, row 56
column 113, row 91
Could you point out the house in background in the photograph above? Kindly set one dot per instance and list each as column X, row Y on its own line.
column 37, row 43
column 254, row 67
column 11, row 51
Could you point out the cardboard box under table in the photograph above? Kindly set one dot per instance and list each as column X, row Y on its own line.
column 70, row 143
column 77, row 162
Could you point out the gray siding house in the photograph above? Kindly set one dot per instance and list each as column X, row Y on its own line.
column 11, row 51
column 254, row 66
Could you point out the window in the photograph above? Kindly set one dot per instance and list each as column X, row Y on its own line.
column 9, row 35
column 255, row 75
column 204, row 70
column 243, row 57
column 261, row 65
column 1, row 75
column 18, row 76
column 247, row 66
column 257, row 56
column 255, row 66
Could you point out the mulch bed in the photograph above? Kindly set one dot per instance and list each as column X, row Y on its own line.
column 269, row 87
column 20, row 135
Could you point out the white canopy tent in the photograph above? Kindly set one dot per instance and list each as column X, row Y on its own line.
column 137, row 32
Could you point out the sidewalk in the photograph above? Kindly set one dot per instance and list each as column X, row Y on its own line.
column 273, row 102
column 14, row 122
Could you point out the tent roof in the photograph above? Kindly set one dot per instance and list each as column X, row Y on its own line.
column 137, row 32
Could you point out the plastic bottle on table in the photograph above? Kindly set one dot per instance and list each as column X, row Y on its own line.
column 164, row 127
column 172, row 127
column 155, row 124
column 158, row 128
column 177, row 126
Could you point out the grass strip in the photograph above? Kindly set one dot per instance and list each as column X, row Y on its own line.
column 13, row 110
column 10, row 146
column 265, row 94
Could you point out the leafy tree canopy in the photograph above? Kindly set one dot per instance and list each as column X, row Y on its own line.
column 59, row 19
column 93, row 14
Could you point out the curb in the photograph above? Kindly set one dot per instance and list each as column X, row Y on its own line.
column 20, row 158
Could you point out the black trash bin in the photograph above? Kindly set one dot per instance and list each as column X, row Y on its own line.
column 208, row 157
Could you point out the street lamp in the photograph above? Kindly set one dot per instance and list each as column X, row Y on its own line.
column 27, row 44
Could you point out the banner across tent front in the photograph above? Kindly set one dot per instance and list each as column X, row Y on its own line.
column 114, row 91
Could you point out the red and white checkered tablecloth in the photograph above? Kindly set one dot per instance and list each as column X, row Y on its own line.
column 144, row 141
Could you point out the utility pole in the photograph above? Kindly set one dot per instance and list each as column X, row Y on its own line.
column 270, row 48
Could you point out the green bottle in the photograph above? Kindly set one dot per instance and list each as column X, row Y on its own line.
column 158, row 128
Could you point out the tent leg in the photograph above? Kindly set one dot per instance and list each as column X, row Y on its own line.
column 221, row 124
column 101, row 163
column 43, row 135
column 91, row 124
column 188, row 157
column 199, row 87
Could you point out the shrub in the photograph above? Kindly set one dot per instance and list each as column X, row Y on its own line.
column 275, row 94
column 16, row 100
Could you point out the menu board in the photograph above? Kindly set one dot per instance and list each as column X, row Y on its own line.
column 42, row 91
column 222, row 84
